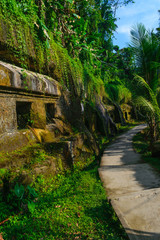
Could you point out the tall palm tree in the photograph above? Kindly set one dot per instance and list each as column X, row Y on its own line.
column 145, row 85
column 146, row 49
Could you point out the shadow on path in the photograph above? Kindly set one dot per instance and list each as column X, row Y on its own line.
column 120, row 157
column 133, row 188
column 142, row 235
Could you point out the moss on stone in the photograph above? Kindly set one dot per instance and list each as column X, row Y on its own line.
column 23, row 46
column 38, row 114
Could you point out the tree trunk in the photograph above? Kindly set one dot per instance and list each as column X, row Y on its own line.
column 152, row 131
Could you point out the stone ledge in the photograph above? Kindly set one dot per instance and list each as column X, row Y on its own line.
column 17, row 78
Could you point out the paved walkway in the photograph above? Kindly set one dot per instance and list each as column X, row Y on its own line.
column 133, row 188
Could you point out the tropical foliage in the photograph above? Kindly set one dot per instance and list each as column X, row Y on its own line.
column 73, row 43
column 145, row 85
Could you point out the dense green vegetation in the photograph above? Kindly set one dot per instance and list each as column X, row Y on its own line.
column 72, row 42
column 70, row 206
column 145, row 85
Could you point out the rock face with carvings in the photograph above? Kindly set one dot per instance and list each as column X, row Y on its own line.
column 15, row 77
column 25, row 98
column 35, row 108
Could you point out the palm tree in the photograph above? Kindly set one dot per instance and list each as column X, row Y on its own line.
column 145, row 85
column 146, row 49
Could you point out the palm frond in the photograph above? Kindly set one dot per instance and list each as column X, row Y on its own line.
column 145, row 47
column 117, row 92
column 146, row 105
column 141, row 83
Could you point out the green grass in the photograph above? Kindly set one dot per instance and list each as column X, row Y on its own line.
column 68, row 207
column 141, row 145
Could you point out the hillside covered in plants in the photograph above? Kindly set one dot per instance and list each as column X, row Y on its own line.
column 70, row 41
column 68, row 90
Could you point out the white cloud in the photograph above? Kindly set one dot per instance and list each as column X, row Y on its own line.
column 143, row 11
column 124, row 29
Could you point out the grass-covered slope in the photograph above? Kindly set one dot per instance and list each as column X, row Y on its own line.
column 72, row 205
column 66, row 207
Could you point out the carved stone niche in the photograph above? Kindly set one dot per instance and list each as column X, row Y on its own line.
column 26, row 99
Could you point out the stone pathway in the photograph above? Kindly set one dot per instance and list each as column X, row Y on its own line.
column 133, row 188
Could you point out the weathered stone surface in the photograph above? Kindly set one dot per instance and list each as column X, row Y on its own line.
column 25, row 178
column 126, row 109
column 8, row 110
column 13, row 76
column 38, row 114
column 18, row 86
column 8, row 120
column 90, row 118
column 15, row 140
column 65, row 129
column 43, row 135
column 5, row 76
column 53, row 116
column 63, row 154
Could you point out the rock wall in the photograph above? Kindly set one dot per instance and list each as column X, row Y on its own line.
column 24, row 96
column 37, row 109
column 19, row 78
column 16, row 40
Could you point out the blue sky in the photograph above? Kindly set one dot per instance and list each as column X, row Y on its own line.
column 142, row 11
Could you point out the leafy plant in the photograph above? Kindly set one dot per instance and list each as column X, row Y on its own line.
column 31, row 206
column 19, row 196
column 19, row 191
column 32, row 192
